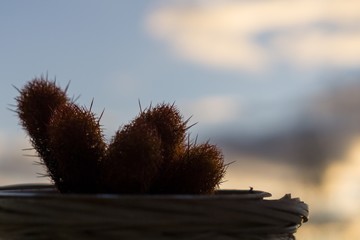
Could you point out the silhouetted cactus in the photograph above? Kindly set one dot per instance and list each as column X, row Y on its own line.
column 35, row 105
column 199, row 171
column 76, row 143
column 170, row 125
column 133, row 159
column 148, row 155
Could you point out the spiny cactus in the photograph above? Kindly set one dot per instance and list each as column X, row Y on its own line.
column 199, row 171
column 133, row 159
column 77, row 145
column 148, row 155
column 170, row 125
column 35, row 105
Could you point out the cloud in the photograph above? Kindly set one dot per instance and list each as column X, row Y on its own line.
column 212, row 110
column 252, row 35
column 341, row 183
column 321, row 48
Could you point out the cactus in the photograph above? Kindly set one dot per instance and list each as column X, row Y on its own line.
column 133, row 159
column 148, row 155
column 35, row 106
column 199, row 171
column 170, row 125
column 77, row 145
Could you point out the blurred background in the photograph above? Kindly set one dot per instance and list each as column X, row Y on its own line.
column 274, row 83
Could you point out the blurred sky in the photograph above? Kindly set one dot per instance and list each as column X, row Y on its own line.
column 241, row 68
column 248, row 64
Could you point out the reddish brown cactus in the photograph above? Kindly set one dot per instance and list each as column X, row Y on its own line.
column 35, row 105
column 199, row 171
column 170, row 125
column 76, row 143
column 148, row 155
column 133, row 159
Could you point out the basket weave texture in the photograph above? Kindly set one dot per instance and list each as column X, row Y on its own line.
column 39, row 212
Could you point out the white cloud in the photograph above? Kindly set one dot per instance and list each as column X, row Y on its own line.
column 226, row 34
column 213, row 109
column 321, row 48
column 342, row 183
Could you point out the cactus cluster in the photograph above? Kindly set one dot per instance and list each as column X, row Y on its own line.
column 151, row 154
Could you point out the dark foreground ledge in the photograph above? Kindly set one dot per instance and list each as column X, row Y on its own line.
column 35, row 211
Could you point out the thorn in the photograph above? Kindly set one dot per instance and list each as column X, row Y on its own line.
column 42, row 175
column 101, row 115
column 187, row 120
column 141, row 111
column 67, row 87
column 223, row 181
column 12, row 110
column 36, row 163
column 30, row 155
column 91, row 104
column 188, row 141
column 228, row 164
column 27, row 149
column 187, row 128
column 17, row 89
column 75, row 99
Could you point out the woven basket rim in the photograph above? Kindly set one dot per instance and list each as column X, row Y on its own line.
column 40, row 190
